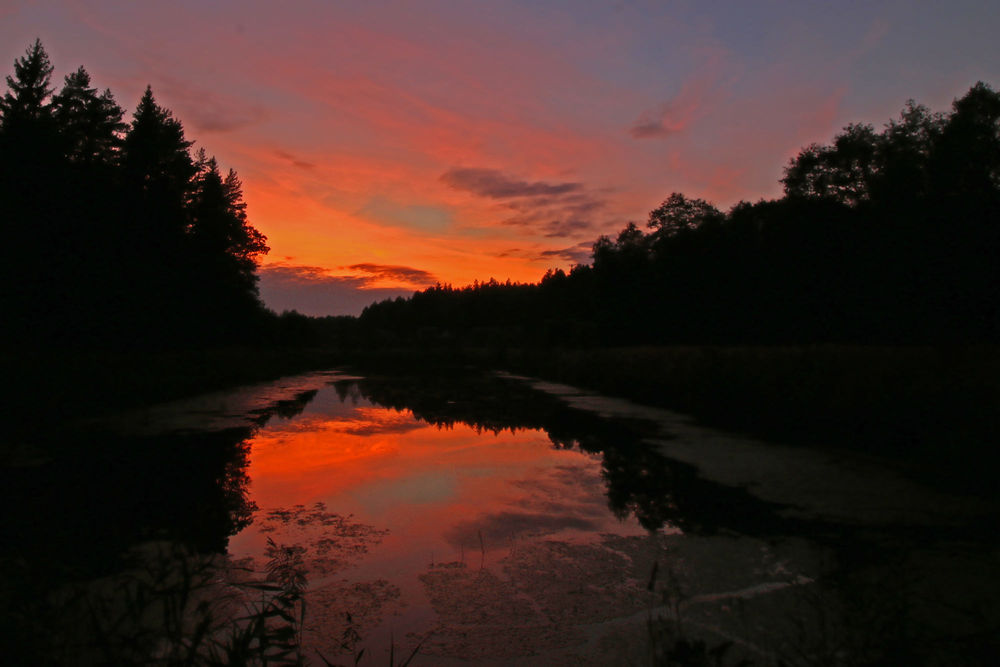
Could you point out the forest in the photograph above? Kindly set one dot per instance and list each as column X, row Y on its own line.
column 115, row 234
column 884, row 236
column 118, row 235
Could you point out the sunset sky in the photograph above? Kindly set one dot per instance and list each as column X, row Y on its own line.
column 386, row 145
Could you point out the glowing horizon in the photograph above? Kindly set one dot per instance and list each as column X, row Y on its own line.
column 384, row 149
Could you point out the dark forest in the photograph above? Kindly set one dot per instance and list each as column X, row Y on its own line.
column 828, row 360
column 883, row 236
column 118, row 235
column 115, row 234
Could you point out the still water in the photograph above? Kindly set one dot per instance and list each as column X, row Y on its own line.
column 463, row 535
column 475, row 519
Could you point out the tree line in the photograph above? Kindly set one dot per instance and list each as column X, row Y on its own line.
column 116, row 233
column 882, row 236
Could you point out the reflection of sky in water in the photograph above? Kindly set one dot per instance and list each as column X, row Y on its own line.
column 437, row 490
column 382, row 501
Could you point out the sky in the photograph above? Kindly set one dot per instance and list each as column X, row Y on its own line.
column 386, row 146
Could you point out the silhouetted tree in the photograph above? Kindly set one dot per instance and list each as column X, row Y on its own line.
column 843, row 171
column 25, row 102
column 112, row 234
column 90, row 123
column 29, row 174
column 678, row 214
column 904, row 154
column 882, row 236
column 157, row 165
column 966, row 159
column 225, row 244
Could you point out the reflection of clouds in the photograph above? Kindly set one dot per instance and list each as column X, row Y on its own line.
column 362, row 421
column 384, row 428
column 376, row 421
column 501, row 526
column 567, row 497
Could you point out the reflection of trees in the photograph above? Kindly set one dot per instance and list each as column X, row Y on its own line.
column 290, row 407
column 79, row 514
column 640, row 480
column 101, row 494
column 640, row 483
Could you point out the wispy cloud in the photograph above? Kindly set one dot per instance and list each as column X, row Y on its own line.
column 662, row 121
column 312, row 290
column 577, row 254
column 295, row 161
column 495, row 184
column 423, row 217
column 207, row 111
column 552, row 209
column 306, row 275
column 404, row 274
column 677, row 113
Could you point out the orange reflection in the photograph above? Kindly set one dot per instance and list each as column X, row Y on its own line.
column 435, row 490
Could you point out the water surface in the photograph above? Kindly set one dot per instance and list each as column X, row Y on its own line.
column 406, row 522
column 485, row 519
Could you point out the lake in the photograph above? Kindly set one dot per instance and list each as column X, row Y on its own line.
column 490, row 519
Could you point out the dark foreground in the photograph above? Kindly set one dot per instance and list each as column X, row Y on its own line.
column 122, row 539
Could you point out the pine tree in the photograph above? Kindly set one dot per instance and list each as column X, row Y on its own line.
column 26, row 101
column 91, row 124
column 157, row 169
column 225, row 242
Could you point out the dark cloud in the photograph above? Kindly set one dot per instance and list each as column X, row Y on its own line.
column 675, row 114
column 401, row 273
column 559, row 227
column 564, row 228
column 577, row 254
column 312, row 291
column 552, row 210
column 654, row 123
column 574, row 254
column 288, row 157
column 497, row 185
column 292, row 273
column 205, row 110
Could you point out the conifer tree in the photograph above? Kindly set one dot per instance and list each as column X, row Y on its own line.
column 91, row 124
column 157, row 170
column 29, row 89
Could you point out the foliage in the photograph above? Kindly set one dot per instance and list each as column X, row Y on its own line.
column 885, row 237
column 115, row 235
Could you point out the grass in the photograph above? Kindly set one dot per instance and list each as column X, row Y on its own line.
column 173, row 606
